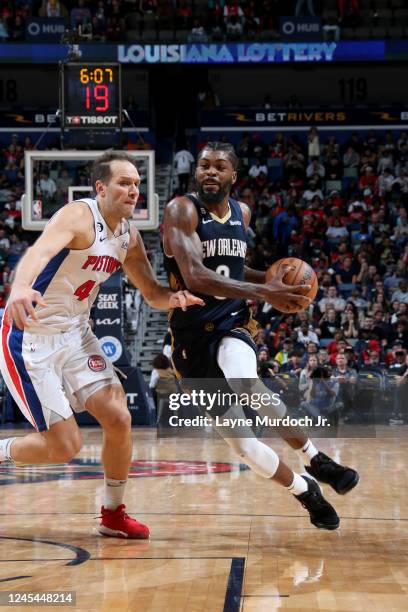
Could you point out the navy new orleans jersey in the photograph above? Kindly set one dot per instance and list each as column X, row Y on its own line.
column 200, row 328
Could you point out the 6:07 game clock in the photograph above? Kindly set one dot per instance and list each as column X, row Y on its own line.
column 91, row 95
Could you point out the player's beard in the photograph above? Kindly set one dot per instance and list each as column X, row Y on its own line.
column 214, row 197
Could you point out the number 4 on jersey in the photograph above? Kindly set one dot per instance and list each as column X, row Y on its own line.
column 84, row 290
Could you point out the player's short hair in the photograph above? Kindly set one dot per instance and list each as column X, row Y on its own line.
column 101, row 168
column 225, row 147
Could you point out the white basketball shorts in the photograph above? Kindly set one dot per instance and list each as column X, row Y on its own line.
column 46, row 373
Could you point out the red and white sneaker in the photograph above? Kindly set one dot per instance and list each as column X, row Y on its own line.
column 117, row 524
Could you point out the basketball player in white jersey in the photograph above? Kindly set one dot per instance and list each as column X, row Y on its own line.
column 50, row 359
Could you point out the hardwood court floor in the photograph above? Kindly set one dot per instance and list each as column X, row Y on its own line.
column 221, row 540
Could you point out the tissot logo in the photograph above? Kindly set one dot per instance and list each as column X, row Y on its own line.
column 91, row 120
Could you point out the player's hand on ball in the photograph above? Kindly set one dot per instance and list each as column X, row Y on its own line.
column 283, row 296
column 21, row 305
column 183, row 299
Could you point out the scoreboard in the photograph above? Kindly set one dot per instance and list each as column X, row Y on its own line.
column 91, row 95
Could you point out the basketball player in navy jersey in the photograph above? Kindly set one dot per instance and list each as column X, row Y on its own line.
column 205, row 240
column 50, row 359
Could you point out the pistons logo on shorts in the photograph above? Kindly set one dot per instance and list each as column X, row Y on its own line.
column 96, row 363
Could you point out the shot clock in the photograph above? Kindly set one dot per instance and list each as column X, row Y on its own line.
column 91, row 95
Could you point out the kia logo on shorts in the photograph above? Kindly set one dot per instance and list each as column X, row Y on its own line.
column 96, row 363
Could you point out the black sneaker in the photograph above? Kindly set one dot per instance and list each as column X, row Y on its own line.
column 322, row 514
column 340, row 477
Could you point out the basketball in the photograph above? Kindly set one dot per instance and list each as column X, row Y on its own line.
column 302, row 274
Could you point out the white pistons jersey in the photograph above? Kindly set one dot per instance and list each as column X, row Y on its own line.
column 70, row 281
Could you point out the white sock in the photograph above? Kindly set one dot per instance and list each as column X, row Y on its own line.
column 5, row 448
column 298, row 486
column 114, row 493
column 308, row 451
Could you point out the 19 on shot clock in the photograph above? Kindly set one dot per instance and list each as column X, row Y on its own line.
column 91, row 95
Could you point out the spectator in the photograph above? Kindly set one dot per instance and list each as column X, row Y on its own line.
column 368, row 179
column 184, row 162
column 263, row 354
column 312, row 191
column 3, row 31
column 4, row 241
column 306, row 335
column 350, row 326
column 162, row 382
column 338, row 303
column 338, row 345
column 286, row 222
column 293, row 364
column 46, row 184
column 320, row 397
column 17, row 31
column 161, row 369
column 233, row 14
column 345, row 272
column 334, row 169
column 17, row 246
column 335, row 231
column 400, row 396
column 323, row 356
column 304, row 4
column 351, row 158
column 346, row 377
column 282, row 355
column 52, row 8
column 401, row 294
column 311, row 349
column 305, row 374
column 400, row 183
column 64, row 181
column 208, row 98
column 315, row 167
column 329, row 322
column 198, row 33
column 256, row 169
column 372, row 362
column 385, row 162
column 234, row 28
column 313, row 149
column 385, row 182
column 268, row 372
column 115, row 29
column 399, row 359
column 80, row 15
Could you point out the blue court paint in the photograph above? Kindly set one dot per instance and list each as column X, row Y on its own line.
column 234, row 587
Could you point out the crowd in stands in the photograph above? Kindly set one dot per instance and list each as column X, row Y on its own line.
column 13, row 239
column 201, row 20
column 343, row 208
